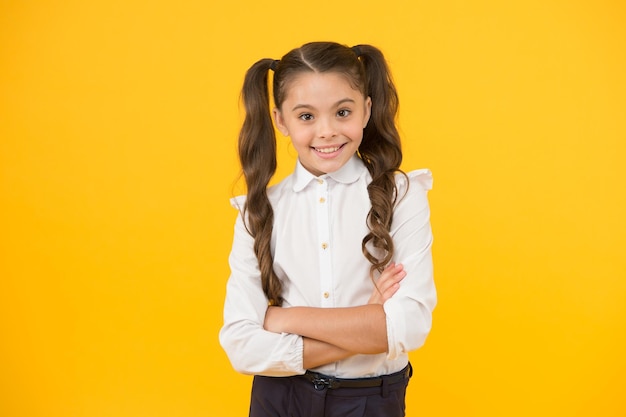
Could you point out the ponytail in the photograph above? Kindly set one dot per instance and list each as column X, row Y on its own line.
column 380, row 149
column 257, row 154
column 381, row 152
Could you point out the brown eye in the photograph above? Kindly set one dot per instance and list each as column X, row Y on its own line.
column 306, row 117
column 343, row 113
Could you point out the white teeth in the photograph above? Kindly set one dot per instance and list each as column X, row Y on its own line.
column 327, row 150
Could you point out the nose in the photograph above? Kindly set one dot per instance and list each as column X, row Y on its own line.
column 326, row 128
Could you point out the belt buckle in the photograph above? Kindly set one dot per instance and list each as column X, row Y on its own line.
column 321, row 383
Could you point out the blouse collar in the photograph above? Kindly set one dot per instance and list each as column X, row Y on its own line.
column 347, row 174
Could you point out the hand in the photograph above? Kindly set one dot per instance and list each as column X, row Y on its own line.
column 387, row 284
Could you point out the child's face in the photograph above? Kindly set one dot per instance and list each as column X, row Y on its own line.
column 325, row 117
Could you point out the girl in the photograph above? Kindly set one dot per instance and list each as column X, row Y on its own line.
column 331, row 274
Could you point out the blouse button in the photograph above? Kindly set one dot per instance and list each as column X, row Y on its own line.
column 320, row 181
column 324, row 245
column 322, row 200
column 326, row 295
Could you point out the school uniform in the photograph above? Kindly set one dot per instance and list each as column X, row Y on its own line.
column 319, row 224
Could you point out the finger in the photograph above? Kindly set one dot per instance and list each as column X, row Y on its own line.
column 394, row 274
column 389, row 292
column 391, row 281
column 388, row 283
column 388, row 273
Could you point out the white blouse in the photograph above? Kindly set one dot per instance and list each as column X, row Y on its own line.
column 319, row 223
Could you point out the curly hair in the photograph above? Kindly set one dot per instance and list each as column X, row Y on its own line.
column 366, row 70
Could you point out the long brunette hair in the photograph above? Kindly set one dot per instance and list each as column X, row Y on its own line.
column 366, row 69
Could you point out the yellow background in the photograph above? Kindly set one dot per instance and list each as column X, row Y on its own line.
column 118, row 124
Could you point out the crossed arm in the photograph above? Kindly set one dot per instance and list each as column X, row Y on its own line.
column 332, row 334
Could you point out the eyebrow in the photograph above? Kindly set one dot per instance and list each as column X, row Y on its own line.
column 307, row 106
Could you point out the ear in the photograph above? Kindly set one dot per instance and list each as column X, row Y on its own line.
column 280, row 121
column 368, row 111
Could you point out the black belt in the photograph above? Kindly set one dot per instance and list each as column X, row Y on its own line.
column 321, row 381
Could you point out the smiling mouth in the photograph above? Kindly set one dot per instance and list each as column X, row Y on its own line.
column 328, row 150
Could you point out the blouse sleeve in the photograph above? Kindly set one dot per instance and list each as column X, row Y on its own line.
column 250, row 348
column 409, row 311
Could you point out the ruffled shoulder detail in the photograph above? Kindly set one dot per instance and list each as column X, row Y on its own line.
column 419, row 177
column 274, row 193
column 423, row 177
column 238, row 202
